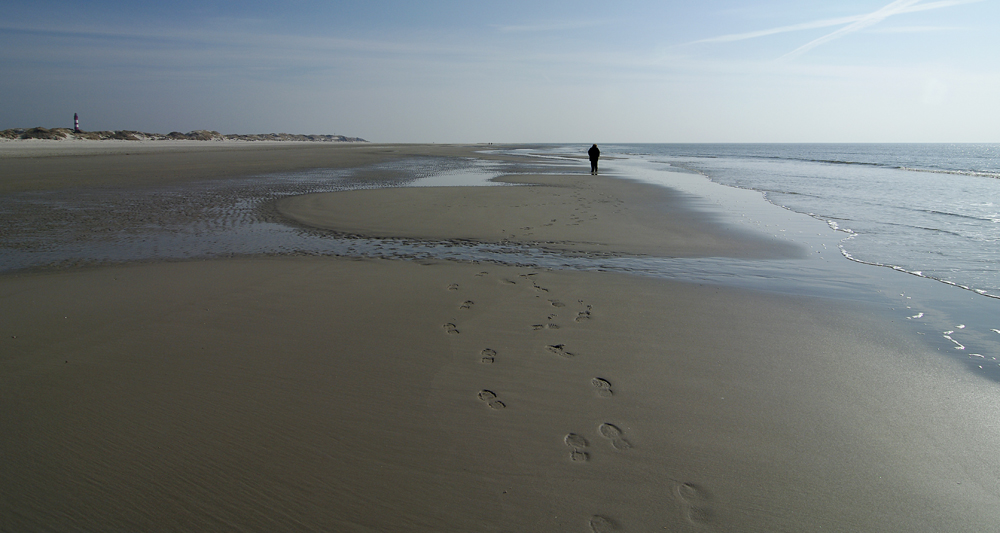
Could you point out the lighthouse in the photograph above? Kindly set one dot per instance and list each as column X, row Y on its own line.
column 76, row 123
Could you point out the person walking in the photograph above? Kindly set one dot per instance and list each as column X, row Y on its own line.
column 594, row 153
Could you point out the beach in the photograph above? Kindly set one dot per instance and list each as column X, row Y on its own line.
column 358, row 394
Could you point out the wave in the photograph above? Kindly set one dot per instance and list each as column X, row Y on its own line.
column 839, row 162
column 956, row 215
column 925, row 228
column 892, row 165
column 919, row 274
column 975, row 173
column 787, row 158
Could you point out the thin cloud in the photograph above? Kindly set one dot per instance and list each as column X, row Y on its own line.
column 911, row 7
column 782, row 29
column 256, row 42
column 915, row 29
column 937, row 5
column 548, row 26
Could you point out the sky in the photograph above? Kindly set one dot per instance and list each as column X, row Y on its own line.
column 510, row 72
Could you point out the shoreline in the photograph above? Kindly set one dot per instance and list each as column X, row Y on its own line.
column 344, row 393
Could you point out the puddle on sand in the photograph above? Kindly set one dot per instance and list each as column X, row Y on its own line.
column 206, row 219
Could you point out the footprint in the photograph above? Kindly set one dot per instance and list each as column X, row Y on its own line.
column 506, row 281
column 488, row 356
column 610, row 431
column 614, row 434
column 559, row 349
column 557, row 303
column 602, row 524
column 578, row 444
column 467, row 304
column 491, row 400
column 450, row 328
column 481, row 274
column 453, row 287
column 603, row 387
column 695, row 500
column 537, row 327
column 585, row 314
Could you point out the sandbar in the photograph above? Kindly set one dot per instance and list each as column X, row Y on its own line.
column 590, row 214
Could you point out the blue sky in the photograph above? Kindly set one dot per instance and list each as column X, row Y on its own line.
column 388, row 71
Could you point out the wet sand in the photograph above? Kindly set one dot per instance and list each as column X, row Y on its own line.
column 355, row 395
column 48, row 165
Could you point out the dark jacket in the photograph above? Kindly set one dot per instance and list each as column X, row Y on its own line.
column 594, row 153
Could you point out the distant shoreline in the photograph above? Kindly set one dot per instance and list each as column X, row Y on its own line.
column 65, row 134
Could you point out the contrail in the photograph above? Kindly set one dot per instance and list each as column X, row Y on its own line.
column 869, row 19
column 825, row 23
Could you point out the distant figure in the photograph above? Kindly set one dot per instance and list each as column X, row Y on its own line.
column 594, row 153
column 76, row 123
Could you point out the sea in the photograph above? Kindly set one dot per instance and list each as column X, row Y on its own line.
column 912, row 228
column 927, row 209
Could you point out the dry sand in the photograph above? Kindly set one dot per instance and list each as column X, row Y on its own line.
column 365, row 395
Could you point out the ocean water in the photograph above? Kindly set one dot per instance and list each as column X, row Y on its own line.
column 927, row 209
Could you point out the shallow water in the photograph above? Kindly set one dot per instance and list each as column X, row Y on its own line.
column 928, row 209
column 226, row 218
column 198, row 220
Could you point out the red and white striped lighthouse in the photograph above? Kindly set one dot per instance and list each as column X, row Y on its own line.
column 76, row 123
